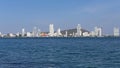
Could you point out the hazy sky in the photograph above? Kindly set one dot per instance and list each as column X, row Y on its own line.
column 17, row 14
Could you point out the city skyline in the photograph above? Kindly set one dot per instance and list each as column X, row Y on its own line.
column 78, row 31
column 64, row 14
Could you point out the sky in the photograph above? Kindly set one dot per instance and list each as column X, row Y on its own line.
column 64, row 14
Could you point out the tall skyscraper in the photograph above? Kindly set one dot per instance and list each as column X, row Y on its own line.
column 36, row 32
column 66, row 34
column 0, row 34
column 59, row 32
column 79, row 32
column 51, row 30
column 39, row 32
column 23, row 32
column 98, row 31
column 116, row 31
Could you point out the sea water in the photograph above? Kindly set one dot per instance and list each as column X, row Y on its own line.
column 60, row 52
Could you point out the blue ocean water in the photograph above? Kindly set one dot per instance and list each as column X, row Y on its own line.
column 60, row 53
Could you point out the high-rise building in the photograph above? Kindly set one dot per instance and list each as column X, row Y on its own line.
column 23, row 32
column 39, row 32
column 0, row 34
column 98, row 31
column 17, row 34
column 116, row 31
column 51, row 30
column 79, row 32
column 73, row 35
column 66, row 34
column 36, row 32
column 59, row 32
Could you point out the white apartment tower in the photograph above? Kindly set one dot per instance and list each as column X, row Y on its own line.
column 66, row 34
column 59, row 32
column 79, row 32
column 36, row 32
column 51, row 30
column 98, row 31
column 23, row 32
column 116, row 31
column 39, row 32
column 0, row 34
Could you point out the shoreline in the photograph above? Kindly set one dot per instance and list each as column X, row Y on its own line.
column 53, row 37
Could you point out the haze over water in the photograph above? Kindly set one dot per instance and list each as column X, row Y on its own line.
column 60, row 53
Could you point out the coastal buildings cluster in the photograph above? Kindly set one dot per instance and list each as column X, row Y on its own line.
column 77, row 32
